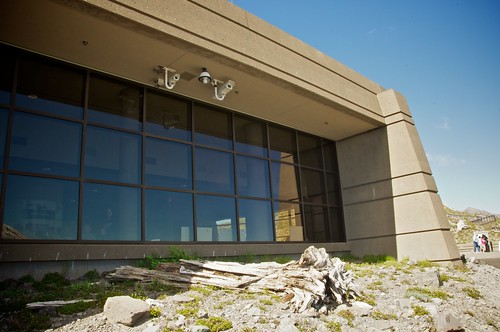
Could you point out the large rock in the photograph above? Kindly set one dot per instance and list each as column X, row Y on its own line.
column 126, row 310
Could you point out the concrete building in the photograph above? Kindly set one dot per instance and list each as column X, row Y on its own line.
column 109, row 156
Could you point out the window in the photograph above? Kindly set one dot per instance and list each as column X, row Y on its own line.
column 50, row 87
column 316, row 223
column 169, row 216
column 4, row 119
column 212, row 127
column 215, row 218
column 253, row 177
column 310, row 151
column 168, row 164
column 255, row 220
column 214, row 171
column 7, row 61
column 111, row 213
column 168, row 117
column 313, row 186
column 39, row 208
column 115, row 103
column 112, row 155
column 250, row 136
column 283, row 144
column 330, row 152
column 45, row 145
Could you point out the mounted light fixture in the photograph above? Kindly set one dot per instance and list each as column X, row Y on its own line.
column 204, row 76
column 221, row 89
column 165, row 81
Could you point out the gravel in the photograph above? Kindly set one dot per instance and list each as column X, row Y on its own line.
column 396, row 297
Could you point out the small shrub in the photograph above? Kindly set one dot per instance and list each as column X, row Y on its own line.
column 347, row 315
column 92, row 276
column 376, row 259
column 155, row 312
column 215, row 324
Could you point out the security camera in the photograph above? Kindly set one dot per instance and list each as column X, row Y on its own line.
column 227, row 87
column 223, row 89
column 173, row 79
column 165, row 81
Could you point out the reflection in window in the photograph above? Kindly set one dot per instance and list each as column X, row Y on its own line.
column 250, row 136
column 45, row 145
column 7, row 61
column 283, row 145
column 212, row 127
column 313, row 186
column 214, row 171
column 316, row 220
column 112, row 155
column 38, row 208
column 50, row 87
column 168, row 117
column 310, row 151
column 253, row 177
column 169, row 216
column 111, row 213
column 285, row 180
column 255, row 220
column 215, row 218
column 115, row 103
column 168, row 164
column 288, row 222
column 4, row 119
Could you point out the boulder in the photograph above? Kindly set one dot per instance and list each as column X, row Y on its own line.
column 126, row 310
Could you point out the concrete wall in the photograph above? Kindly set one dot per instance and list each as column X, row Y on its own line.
column 391, row 205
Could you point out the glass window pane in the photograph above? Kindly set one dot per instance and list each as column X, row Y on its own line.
column 169, row 216
column 285, row 180
column 330, row 151
column 250, row 136
column 50, row 87
column 115, row 103
column 337, row 225
column 253, row 177
column 38, row 208
column 212, row 127
column 112, row 155
column 333, row 187
column 255, row 220
column 4, row 120
column 168, row 164
column 288, row 222
column 310, row 151
column 214, row 171
column 45, row 145
column 7, row 61
column 313, row 186
column 168, row 117
column 111, row 213
column 316, row 224
column 215, row 218
column 282, row 142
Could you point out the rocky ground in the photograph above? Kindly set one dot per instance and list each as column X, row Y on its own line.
column 408, row 296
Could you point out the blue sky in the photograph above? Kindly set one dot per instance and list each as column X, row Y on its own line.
column 442, row 55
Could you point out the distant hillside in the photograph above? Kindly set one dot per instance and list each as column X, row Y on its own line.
column 464, row 236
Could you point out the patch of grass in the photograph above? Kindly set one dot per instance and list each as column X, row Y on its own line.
column 347, row 315
column 266, row 301
column 203, row 290
column 215, row 324
column 376, row 285
column 419, row 310
column 425, row 263
column 368, row 298
column 377, row 259
column 72, row 308
column 305, row 325
column 334, row 326
column 383, row 316
column 92, row 276
column 472, row 292
column 426, row 294
column 175, row 255
column 26, row 320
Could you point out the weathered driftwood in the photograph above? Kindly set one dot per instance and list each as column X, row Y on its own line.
column 52, row 304
column 314, row 281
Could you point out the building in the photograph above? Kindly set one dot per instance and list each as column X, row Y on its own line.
column 109, row 155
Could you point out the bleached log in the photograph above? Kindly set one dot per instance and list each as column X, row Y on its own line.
column 52, row 304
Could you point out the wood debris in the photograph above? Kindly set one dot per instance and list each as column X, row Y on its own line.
column 316, row 280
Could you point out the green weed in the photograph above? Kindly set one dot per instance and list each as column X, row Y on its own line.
column 216, row 324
